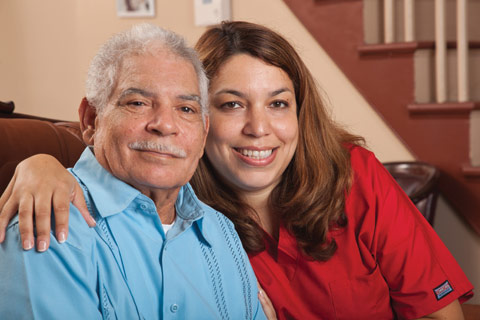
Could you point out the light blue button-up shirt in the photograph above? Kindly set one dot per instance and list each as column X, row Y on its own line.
column 127, row 267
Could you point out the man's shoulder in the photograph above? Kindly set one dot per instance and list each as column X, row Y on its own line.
column 80, row 235
column 215, row 215
column 221, row 232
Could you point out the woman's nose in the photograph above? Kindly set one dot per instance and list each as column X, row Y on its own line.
column 257, row 122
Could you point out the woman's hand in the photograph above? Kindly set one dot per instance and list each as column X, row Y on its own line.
column 267, row 305
column 39, row 183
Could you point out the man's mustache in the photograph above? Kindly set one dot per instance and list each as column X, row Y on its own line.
column 158, row 147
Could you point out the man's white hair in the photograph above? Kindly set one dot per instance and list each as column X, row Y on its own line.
column 139, row 39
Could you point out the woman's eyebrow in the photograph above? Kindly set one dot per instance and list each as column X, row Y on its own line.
column 281, row 90
column 231, row 91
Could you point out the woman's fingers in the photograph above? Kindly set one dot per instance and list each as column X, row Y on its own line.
column 267, row 305
column 78, row 200
column 25, row 221
column 61, row 211
column 7, row 210
column 43, row 211
column 39, row 184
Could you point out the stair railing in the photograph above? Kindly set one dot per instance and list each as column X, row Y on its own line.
column 440, row 43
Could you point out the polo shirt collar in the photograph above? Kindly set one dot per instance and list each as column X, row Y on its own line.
column 191, row 210
column 112, row 196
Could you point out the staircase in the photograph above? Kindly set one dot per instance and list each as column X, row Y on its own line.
column 398, row 79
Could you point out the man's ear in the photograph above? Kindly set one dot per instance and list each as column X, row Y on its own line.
column 87, row 115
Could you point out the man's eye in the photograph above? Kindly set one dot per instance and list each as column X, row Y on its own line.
column 187, row 109
column 136, row 103
column 279, row 104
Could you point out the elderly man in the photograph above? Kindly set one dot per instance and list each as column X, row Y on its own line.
column 157, row 251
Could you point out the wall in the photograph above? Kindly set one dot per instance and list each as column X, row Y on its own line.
column 47, row 45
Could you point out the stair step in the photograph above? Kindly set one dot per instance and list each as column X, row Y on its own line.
column 406, row 47
column 471, row 171
column 449, row 108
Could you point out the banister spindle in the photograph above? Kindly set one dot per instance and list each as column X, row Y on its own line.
column 440, row 52
column 409, row 18
column 388, row 18
column 462, row 51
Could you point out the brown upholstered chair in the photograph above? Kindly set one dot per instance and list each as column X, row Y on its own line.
column 22, row 137
column 418, row 180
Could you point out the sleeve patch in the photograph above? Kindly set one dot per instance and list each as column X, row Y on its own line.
column 443, row 290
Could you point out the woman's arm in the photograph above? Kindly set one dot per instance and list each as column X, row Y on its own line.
column 452, row 311
column 39, row 184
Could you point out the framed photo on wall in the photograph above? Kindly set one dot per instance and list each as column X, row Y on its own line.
column 136, row 8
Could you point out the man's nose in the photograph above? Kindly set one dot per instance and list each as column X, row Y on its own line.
column 257, row 122
column 163, row 120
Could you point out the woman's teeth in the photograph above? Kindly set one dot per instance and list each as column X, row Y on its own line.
column 255, row 154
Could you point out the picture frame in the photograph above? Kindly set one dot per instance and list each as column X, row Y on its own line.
column 135, row 8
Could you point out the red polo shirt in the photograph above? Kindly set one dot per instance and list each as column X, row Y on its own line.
column 389, row 260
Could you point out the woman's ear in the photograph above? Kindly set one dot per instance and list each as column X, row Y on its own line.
column 87, row 115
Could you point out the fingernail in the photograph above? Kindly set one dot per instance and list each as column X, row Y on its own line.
column 42, row 246
column 93, row 223
column 260, row 293
column 61, row 237
column 27, row 245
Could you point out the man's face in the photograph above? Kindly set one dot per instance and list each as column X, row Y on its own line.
column 151, row 134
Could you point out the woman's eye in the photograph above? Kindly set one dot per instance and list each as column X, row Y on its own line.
column 279, row 104
column 231, row 105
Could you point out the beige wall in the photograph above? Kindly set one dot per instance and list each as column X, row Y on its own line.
column 47, row 45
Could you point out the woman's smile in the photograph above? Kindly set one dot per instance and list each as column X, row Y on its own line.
column 256, row 157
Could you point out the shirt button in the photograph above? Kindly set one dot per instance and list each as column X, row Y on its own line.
column 174, row 307
column 143, row 206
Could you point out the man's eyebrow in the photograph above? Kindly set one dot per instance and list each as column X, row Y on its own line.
column 189, row 97
column 139, row 91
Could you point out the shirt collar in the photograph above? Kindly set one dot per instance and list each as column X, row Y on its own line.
column 190, row 210
column 112, row 196
column 109, row 194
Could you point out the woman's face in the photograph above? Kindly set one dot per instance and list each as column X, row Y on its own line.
column 253, row 123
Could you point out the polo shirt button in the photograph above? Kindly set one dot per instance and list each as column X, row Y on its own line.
column 143, row 206
column 174, row 308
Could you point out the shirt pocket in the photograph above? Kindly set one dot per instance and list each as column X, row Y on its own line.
column 108, row 311
column 361, row 297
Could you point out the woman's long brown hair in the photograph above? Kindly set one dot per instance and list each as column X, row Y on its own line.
column 310, row 198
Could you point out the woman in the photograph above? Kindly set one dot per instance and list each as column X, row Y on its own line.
column 329, row 233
